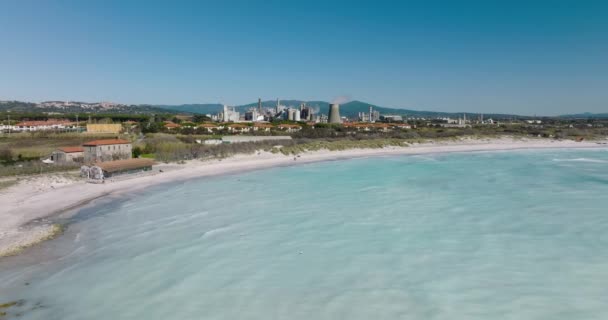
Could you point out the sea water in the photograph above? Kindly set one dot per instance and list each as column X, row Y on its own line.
column 501, row 235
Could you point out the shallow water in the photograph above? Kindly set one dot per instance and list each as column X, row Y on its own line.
column 504, row 235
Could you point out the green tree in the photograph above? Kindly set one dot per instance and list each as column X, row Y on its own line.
column 136, row 152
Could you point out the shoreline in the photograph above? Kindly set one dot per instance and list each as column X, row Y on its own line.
column 28, row 203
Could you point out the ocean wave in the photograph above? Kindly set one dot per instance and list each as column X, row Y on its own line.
column 582, row 160
column 215, row 231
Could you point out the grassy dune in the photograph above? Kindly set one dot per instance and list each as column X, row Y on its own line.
column 340, row 145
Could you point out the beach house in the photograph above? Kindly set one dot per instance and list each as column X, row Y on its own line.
column 106, row 150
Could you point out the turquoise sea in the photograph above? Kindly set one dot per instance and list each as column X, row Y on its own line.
column 500, row 235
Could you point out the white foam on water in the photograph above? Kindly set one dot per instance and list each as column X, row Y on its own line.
column 590, row 160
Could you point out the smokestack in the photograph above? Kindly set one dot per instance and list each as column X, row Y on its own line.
column 260, row 105
column 334, row 113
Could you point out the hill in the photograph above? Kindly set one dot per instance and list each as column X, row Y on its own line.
column 206, row 108
column 586, row 115
column 350, row 109
column 78, row 107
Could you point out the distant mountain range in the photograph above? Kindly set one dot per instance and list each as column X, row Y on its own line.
column 350, row 109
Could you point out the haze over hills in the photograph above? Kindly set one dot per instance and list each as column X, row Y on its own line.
column 349, row 109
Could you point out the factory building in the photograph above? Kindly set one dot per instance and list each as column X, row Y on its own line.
column 230, row 114
column 391, row 118
column 306, row 113
column 251, row 115
column 293, row 114
column 371, row 116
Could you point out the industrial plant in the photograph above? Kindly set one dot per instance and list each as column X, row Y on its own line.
column 301, row 113
column 334, row 113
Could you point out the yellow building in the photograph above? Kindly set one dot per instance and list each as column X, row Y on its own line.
column 104, row 127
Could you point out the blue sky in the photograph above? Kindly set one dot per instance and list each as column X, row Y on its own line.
column 526, row 57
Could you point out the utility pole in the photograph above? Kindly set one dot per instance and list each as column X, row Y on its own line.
column 77, row 126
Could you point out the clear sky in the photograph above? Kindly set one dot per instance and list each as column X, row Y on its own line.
column 526, row 57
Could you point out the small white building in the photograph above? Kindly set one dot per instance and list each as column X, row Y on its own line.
column 289, row 127
column 68, row 155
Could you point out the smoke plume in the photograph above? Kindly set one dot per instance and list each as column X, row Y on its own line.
column 341, row 99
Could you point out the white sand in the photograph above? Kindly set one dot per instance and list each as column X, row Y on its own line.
column 46, row 196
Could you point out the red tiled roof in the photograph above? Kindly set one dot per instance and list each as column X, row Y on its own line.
column 71, row 149
column 285, row 125
column 357, row 124
column 237, row 125
column 381, row 125
column 208, row 125
column 172, row 125
column 105, row 142
column 263, row 125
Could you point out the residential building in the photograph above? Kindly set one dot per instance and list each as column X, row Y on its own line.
column 170, row 125
column 238, row 128
column 106, row 150
column 58, row 125
column 383, row 127
column 210, row 127
column 265, row 127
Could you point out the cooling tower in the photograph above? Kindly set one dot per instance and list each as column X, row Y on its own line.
column 334, row 113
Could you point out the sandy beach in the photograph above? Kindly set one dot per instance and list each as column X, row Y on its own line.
column 37, row 198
